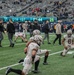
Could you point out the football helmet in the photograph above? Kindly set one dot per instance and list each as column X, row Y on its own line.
column 31, row 38
column 38, row 39
column 69, row 33
column 36, row 32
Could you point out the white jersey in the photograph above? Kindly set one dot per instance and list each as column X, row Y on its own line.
column 30, row 48
column 28, row 59
column 68, row 40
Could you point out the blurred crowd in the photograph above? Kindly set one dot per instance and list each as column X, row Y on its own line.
column 19, row 29
column 63, row 9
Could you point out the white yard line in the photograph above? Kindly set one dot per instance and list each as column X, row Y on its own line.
column 21, row 63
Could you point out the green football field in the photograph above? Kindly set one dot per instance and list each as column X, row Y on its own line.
column 57, row 65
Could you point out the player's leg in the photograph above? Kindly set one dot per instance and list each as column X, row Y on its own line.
column 72, row 46
column 25, row 38
column 21, row 34
column 17, row 71
column 16, row 37
column 64, row 52
column 45, row 53
column 27, row 65
column 45, row 58
column 37, row 61
column 66, row 49
column 27, row 68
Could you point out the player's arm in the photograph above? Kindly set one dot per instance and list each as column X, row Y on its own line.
column 63, row 40
column 34, row 54
column 73, row 41
column 28, row 43
column 25, row 50
column 63, row 43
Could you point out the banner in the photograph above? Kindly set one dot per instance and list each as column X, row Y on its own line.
column 23, row 19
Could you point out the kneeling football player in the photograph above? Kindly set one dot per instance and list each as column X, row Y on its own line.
column 39, row 53
column 68, row 42
column 30, row 58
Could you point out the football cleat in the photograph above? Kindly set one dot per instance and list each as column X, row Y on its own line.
column 8, row 71
column 20, row 61
column 36, row 71
column 12, row 45
column 45, row 63
column 49, row 43
column 61, row 54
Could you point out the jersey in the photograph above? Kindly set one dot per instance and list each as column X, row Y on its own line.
column 68, row 40
column 28, row 59
column 30, row 49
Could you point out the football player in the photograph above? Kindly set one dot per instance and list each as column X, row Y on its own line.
column 30, row 58
column 68, row 42
column 19, row 32
column 40, row 52
column 35, row 32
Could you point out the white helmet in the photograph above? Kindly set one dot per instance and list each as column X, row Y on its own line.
column 69, row 31
column 38, row 39
column 31, row 38
column 36, row 32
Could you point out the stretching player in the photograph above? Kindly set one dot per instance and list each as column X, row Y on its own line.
column 40, row 52
column 30, row 58
column 68, row 42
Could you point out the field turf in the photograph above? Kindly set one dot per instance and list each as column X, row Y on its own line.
column 57, row 65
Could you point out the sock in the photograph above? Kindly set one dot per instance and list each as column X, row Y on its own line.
column 16, row 71
column 45, row 58
column 64, row 52
column 37, row 64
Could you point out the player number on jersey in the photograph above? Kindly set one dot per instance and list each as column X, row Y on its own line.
column 69, row 41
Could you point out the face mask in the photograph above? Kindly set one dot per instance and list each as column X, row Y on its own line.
column 69, row 35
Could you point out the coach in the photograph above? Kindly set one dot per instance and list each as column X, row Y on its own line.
column 11, row 31
column 58, row 32
column 46, row 32
column 1, row 30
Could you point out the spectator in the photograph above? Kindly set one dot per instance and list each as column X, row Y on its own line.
column 11, row 31
column 1, row 30
column 58, row 32
column 36, row 25
column 30, row 28
column 46, row 31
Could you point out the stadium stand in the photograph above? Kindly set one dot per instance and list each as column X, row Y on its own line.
column 63, row 9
